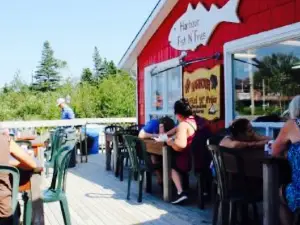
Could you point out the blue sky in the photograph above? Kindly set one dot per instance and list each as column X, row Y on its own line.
column 73, row 28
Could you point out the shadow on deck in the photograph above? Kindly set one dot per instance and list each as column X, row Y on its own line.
column 97, row 197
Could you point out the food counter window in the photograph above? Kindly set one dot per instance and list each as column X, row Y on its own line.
column 265, row 79
column 165, row 89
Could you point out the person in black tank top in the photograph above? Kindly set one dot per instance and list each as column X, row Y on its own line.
column 181, row 163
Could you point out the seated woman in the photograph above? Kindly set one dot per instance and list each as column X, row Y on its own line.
column 150, row 130
column 242, row 135
column 181, row 144
column 21, row 160
column 289, row 140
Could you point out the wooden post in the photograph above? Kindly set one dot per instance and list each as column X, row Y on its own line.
column 80, row 143
column 167, row 173
column 86, row 147
column 108, row 154
column 271, row 193
column 115, row 153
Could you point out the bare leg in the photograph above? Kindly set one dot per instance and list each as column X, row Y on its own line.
column 177, row 180
column 157, row 172
column 286, row 216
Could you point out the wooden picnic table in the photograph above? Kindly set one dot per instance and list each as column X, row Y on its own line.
column 36, row 145
column 271, row 170
column 160, row 148
column 26, row 138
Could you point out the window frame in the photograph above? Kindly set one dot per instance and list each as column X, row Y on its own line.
column 254, row 41
column 147, row 84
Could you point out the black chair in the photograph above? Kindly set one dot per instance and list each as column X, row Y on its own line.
column 111, row 129
column 123, row 151
column 231, row 196
column 201, row 159
column 140, row 164
column 137, row 127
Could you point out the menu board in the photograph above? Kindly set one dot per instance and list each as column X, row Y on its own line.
column 202, row 89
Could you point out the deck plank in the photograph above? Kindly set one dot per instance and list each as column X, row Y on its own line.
column 96, row 197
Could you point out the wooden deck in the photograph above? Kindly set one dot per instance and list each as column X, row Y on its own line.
column 96, row 197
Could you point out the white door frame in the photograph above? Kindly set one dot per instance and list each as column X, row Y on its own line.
column 253, row 41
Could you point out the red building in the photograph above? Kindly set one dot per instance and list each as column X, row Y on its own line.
column 246, row 33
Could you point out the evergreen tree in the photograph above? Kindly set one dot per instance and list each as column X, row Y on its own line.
column 47, row 75
column 87, row 75
column 109, row 67
column 98, row 65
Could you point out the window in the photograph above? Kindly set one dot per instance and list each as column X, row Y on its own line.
column 165, row 88
column 266, row 78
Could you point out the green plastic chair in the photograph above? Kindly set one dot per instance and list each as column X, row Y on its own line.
column 15, row 189
column 56, row 142
column 140, row 164
column 56, row 191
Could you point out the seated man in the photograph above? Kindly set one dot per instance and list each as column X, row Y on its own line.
column 151, row 129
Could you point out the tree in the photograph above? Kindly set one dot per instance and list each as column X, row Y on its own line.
column 17, row 84
column 6, row 89
column 47, row 75
column 117, row 96
column 109, row 67
column 87, row 75
column 277, row 72
column 98, row 65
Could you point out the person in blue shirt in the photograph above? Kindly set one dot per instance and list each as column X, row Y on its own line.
column 151, row 130
column 66, row 112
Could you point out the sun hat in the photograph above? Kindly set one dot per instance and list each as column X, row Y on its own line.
column 60, row 101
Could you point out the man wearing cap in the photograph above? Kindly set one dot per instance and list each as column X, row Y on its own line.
column 66, row 112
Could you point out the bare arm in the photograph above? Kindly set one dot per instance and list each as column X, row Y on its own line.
column 258, row 137
column 180, row 141
column 172, row 132
column 23, row 160
column 282, row 140
column 144, row 135
column 229, row 143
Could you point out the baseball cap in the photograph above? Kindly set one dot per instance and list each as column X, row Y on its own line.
column 60, row 101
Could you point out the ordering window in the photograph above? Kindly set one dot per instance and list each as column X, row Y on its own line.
column 265, row 79
column 164, row 90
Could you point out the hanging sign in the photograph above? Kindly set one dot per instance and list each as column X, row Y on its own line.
column 195, row 26
column 202, row 89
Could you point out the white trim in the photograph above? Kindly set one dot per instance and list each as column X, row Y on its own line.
column 147, row 75
column 159, row 14
column 253, row 41
column 73, row 122
column 268, row 126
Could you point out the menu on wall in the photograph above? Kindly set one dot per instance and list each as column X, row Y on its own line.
column 202, row 89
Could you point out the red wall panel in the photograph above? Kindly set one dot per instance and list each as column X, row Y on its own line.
column 256, row 16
